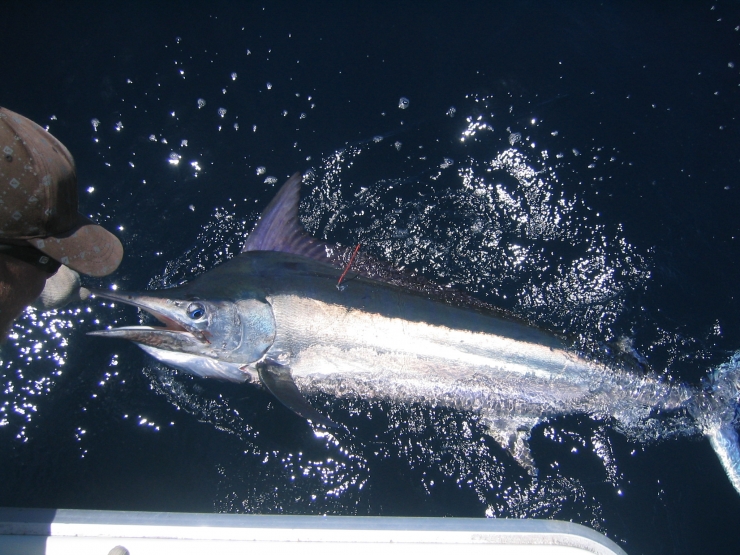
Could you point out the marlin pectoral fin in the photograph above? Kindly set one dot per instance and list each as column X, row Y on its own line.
column 277, row 379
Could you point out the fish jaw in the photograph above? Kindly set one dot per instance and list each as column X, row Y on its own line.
column 159, row 338
column 176, row 335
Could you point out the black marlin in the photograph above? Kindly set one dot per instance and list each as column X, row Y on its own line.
column 276, row 315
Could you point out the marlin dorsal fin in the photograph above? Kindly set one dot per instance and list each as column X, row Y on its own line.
column 279, row 229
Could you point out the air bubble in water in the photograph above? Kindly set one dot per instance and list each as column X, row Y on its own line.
column 403, row 103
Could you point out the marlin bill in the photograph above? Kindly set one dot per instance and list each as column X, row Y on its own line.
column 276, row 315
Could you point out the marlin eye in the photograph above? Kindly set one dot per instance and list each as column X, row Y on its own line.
column 196, row 311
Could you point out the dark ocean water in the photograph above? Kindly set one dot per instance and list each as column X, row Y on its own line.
column 574, row 163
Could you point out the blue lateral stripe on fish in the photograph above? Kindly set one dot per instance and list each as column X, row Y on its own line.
column 273, row 315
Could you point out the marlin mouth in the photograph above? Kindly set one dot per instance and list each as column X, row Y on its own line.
column 174, row 333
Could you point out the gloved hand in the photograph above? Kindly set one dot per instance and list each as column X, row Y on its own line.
column 61, row 288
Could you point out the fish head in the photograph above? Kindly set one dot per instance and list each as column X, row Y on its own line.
column 233, row 332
